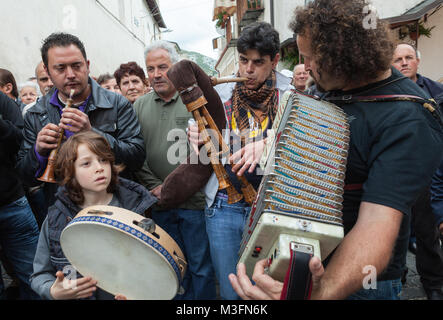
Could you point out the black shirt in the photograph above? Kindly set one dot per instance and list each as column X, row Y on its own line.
column 395, row 147
column 11, row 125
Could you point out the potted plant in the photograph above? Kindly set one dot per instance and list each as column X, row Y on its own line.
column 414, row 34
column 290, row 58
column 222, row 19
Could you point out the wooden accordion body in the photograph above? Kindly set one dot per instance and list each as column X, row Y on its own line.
column 300, row 199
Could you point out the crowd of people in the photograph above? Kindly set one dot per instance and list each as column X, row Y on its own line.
column 116, row 151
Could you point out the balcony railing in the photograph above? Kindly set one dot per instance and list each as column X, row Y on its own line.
column 248, row 11
column 255, row 4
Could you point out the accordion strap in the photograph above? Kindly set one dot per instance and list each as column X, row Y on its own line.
column 298, row 279
column 353, row 186
column 428, row 104
column 381, row 98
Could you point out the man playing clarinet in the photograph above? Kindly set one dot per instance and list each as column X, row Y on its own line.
column 95, row 108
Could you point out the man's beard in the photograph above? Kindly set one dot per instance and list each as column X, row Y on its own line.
column 317, row 85
column 320, row 88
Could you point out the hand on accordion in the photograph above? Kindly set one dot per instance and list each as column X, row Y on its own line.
column 247, row 157
column 266, row 288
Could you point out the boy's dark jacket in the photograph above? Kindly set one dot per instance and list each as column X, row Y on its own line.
column 130, row 195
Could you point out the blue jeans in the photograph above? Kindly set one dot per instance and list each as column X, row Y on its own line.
column 18, row 238
column 386, row 290
column 187, row 228
column 224, row 224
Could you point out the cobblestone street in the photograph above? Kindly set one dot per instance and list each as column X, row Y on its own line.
column 412, row 289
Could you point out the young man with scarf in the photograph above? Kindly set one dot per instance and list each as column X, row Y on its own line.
column 250, row 109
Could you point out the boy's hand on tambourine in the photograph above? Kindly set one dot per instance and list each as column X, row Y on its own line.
column 66, row 289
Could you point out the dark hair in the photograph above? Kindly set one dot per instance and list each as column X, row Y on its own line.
column 65, row 163
column 7, row 77
column 104, row 78
column 130, row 68
column 60, row 40
column 341, row 43
column 260, row 36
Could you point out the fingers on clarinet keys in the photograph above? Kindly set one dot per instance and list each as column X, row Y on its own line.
column 47, row 140
column 50, row 132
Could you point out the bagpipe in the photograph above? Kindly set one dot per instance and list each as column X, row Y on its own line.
column 197, row 92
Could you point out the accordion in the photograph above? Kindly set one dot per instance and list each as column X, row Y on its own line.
column 299, row 201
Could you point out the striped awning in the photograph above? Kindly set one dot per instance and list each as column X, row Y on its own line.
column 228, row 6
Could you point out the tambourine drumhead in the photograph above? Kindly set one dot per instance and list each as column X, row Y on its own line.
column 122, row 257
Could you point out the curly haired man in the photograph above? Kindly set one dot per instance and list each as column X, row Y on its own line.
column 394, row 149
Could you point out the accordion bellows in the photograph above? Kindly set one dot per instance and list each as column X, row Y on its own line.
column 300, row 197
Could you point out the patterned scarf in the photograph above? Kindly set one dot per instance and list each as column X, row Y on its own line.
column 260, row 103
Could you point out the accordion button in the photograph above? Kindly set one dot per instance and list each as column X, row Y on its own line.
column 257, row 250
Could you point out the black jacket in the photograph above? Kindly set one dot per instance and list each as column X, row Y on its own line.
column 110, row 114
column 11, row 125
column 130, row 195
column 437, row 194
column 433, row 88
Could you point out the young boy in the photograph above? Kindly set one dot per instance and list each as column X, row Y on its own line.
column 87, row 176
